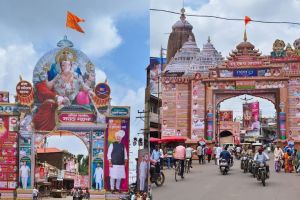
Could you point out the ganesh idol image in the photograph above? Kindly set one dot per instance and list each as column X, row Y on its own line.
column 64, row 85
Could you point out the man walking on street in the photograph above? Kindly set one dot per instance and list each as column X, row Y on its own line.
column 199, row 153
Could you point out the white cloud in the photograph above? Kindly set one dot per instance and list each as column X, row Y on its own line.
column 227, row 34
column 102, row 37
column 16, row 60
column 134, row 99
column 100, row 75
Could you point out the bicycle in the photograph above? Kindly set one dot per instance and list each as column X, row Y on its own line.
column 178, row 170
column 187, row 165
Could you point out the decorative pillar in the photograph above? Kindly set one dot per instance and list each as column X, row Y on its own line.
column 282, row 122
column 210, row 122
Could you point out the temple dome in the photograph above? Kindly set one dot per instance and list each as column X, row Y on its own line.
column 48, row 65
column 182, row 23
column 245, row 45
column 181, row 31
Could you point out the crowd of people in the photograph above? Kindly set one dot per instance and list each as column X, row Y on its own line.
column 289, row 156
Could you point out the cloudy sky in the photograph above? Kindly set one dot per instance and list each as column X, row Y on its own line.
column 225, row 35
column 116, row 40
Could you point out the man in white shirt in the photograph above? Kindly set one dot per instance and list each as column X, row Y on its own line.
column 143, row 172
column 98, row 175
column 189, row 154
column 24, row 173
column 117, row 157
column 218, row 152
column 199, row 153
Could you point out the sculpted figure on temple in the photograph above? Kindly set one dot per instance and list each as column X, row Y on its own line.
column 278, row 49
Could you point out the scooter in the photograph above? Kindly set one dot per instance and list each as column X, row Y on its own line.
column 224, row 166
column 277, row 164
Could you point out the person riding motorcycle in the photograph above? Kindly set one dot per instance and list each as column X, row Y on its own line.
column 278, row 154
column 225, row 155
column 261, row 157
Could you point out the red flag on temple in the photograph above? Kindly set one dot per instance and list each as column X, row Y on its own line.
column 247, row 20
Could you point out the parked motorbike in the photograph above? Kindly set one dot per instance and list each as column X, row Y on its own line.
column 298, row 167
column 262, row 173
column 224, row 166
column 244, row 164
column 157, row 178
column 131, row 193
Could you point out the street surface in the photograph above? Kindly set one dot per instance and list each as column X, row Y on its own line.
column 206, row 182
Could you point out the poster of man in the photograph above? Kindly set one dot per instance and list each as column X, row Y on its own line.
column 116, row 155
column 4, row 97
column 25, row 172
column 143, row 168
column 251, row 118
column 98, row 176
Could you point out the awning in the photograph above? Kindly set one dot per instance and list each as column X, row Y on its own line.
column 152, row 139
column 173, row 139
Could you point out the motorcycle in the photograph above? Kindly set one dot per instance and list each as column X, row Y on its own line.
column 252, row 167
column 224, row 166
column 298, row 167
column 250, row 162
column 238, row 155
column 157, row 178
column 262, row 173
column 244, row 164
column 131, row 193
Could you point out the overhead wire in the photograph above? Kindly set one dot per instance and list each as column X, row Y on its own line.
column 226, row 18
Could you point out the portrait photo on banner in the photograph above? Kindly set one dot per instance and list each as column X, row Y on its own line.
column 116, row 155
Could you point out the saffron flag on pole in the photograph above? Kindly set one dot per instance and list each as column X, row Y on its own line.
column 247, row 20
column 72, row 22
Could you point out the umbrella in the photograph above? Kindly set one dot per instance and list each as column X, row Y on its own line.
column 202, row 141
column 152, row 139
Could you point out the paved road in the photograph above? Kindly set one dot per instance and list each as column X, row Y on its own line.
column 206, row 182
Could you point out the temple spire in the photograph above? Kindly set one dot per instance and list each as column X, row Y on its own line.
column 182, row 17
column 208, row 40
column 245, row 36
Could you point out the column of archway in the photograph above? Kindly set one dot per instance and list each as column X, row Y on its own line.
column 209, row 111
column 283, row 113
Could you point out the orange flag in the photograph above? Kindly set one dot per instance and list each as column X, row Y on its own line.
column 72, row 22
column 247, row 20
